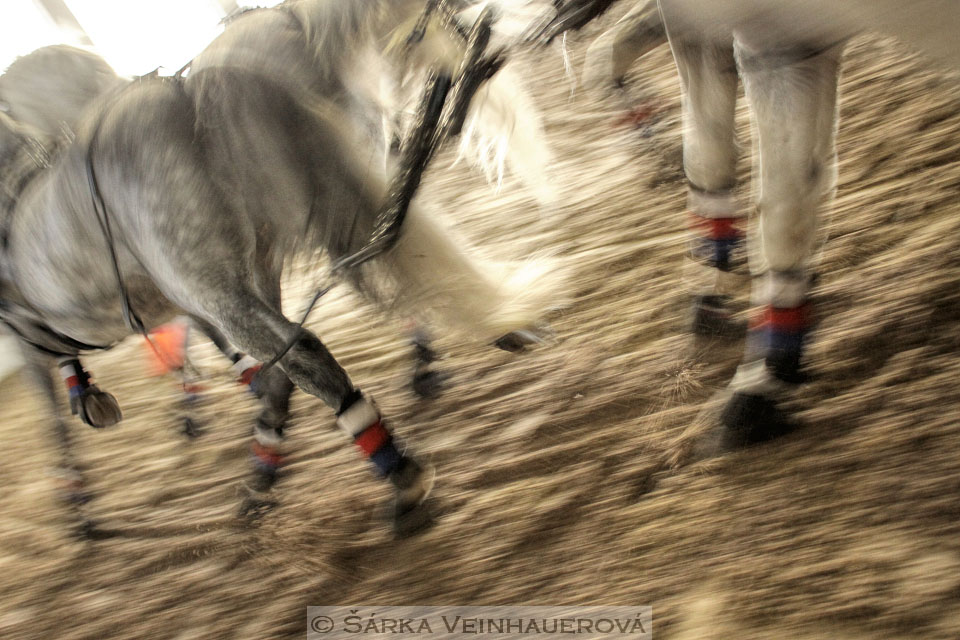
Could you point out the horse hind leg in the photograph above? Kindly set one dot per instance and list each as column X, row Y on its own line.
column 263, row 332
column 709, row 80
column 795, row 112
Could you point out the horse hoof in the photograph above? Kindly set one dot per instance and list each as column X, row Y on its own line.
column 749, row 419
column 737, row 421
column 86, row 530
column 428, row 384
column 254, row 507
column 712, row 319
column 413, row 521
column 190, row 429
column 411, row 508
column 99, row 409
column 516, row 341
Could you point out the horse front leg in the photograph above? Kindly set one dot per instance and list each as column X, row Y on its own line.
column 795, row 108
column 709, row 81
column 71, row 486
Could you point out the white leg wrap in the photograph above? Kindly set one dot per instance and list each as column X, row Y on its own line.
column 783, row 289
column 358, row 417
column 244, row 364
column 712, row 205
column 267, row 437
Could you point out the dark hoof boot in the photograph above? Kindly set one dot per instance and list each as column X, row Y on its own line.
column 428, row 383
column 412, row 511
column 712, row 319
column 191, row 429
column 97, row 408
column 749, row 419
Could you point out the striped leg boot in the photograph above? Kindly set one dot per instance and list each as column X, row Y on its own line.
column 266, row 456
column 716, row 250
column 96, row 408
column 267, row 460
column 360, row 419
column 245, row 368
column 779, row 330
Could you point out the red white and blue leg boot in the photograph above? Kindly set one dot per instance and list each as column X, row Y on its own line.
column 96, row 408
column 717, row 250
column 245, row 368
column 267, row 460
column 779, row 331
column 412, row 481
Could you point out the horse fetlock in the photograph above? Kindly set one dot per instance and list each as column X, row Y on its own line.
column 778, row 337
column 360, row 419
column 190, row 428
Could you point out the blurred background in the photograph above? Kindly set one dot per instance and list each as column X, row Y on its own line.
column 135, row 36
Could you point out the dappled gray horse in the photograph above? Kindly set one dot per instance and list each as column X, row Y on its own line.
column 190, row 196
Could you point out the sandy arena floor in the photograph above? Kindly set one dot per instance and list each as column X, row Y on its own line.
column 556, row 468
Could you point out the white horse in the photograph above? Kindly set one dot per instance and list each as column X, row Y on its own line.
column 788, row 55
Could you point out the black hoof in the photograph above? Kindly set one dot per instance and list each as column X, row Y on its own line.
column 749, row 419
column 190, row 429
column 85, row 530
column 712, row 319
column 516, row 341
column 414, row 520
column 254, row 508
column 97, row 408
column 428, row 383
column 412, row 511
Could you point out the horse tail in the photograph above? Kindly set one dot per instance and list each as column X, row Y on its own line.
column 438, row 275
column 430, row 272
column 503, row 130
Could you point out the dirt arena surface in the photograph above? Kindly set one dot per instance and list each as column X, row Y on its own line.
column 561, row 472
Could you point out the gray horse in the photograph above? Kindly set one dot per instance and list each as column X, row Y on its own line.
column 190, row 197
